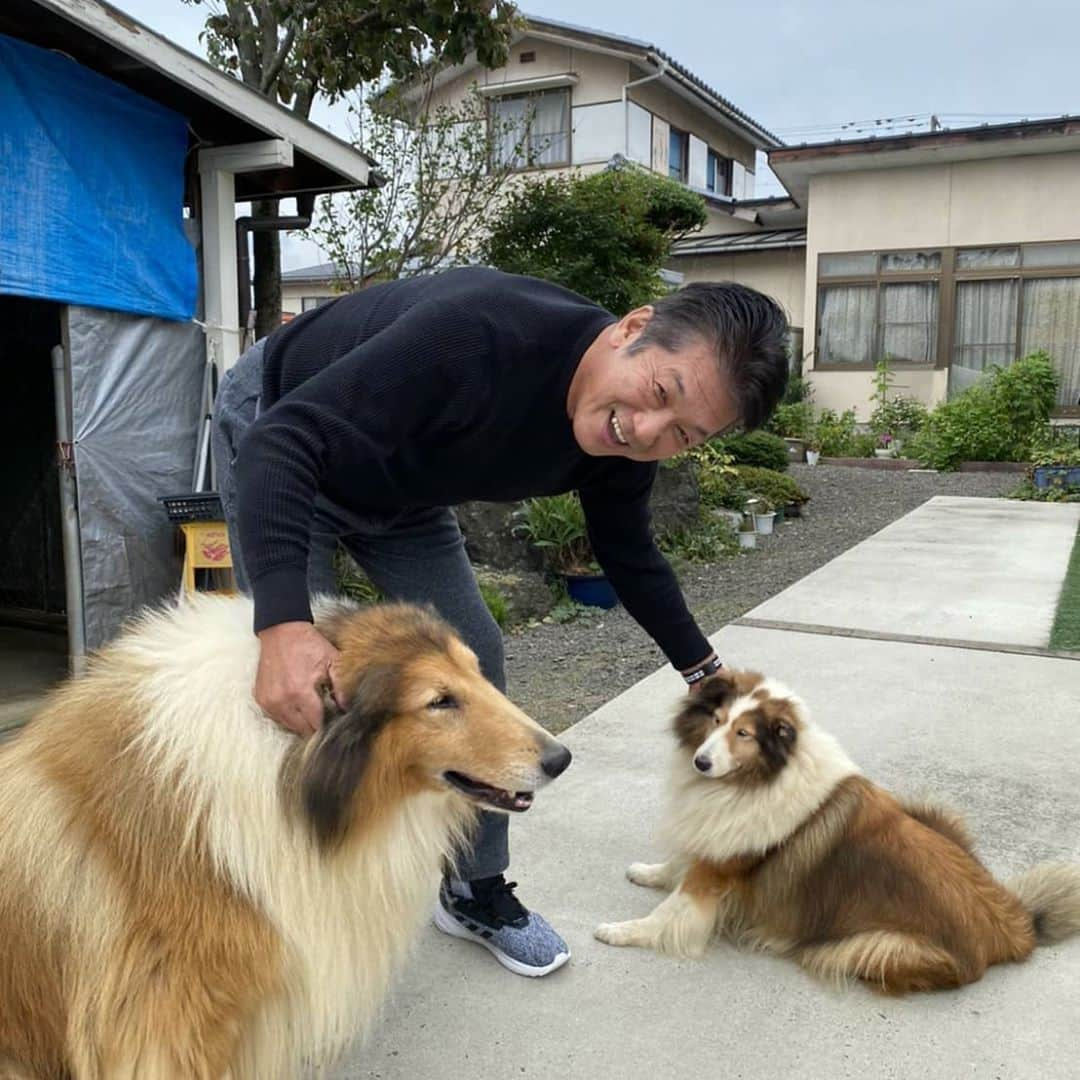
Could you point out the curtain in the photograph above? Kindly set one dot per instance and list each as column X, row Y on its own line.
column 509, row 116
column 909, row 316
column 848, row 316
column 549, row 128
column 985, row 330
column 1051, row 321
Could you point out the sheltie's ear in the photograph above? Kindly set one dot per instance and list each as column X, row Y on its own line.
column 697, row 712
column 334, row 770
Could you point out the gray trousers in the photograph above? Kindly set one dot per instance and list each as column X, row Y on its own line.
column 416, row 555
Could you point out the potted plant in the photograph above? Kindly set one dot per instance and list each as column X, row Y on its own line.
column 764, row 517
column 555, row 524
column 1055, row 464
column 886, row 446
column 813, row 450
column 747, row 532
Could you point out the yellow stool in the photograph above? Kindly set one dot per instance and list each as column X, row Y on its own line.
column 206, row 547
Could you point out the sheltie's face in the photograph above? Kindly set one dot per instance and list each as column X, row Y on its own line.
column 421, row 718
column 739, row 727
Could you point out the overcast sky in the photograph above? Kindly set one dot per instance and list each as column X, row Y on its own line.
column 804, row 70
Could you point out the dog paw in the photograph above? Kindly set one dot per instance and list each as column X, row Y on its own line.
column 614, row 933
column 650, row 875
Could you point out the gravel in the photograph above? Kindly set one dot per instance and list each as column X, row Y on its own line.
column 561, row 673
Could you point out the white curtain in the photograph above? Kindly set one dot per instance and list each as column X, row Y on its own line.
column 510, row 116
column 985, row 330
column 1051, row 321
column 848, row 318
column 549, row 128
column 909, row 316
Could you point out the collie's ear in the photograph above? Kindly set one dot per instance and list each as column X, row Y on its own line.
column 697, row 712
column 335, row 768
column 717, row 690
column 776, row 737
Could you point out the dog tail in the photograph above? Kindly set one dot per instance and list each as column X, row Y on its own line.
column 1051, row 894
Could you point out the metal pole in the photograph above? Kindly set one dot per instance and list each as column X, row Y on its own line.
column 69, row 516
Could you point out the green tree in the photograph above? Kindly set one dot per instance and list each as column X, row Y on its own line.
column 294, row 50
column 605, row 236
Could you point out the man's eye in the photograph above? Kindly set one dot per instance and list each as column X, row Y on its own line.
column 661, row 393
column 685, row 438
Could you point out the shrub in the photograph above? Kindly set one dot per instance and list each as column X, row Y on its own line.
column 777, row 487
column 756, row 448
column 896, row 416
column 997, row 419
column 556, row 525
column 793, row 421
column 708, row 541
column 834, row 434
column 496, row 604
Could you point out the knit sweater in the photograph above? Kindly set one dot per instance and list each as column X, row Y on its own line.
column 434, row 391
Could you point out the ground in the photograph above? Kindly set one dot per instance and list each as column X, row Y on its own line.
column 561, row 673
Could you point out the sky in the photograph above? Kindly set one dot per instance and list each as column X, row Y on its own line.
column 810, row 72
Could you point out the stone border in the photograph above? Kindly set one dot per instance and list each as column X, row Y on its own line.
column 910, row 465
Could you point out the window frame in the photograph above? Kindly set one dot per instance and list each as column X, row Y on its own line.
column 724, row 171
column 684, row 137
column 530, row 166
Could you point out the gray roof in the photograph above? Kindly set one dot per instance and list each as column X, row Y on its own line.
column 601, row 37
column 326, row 271
column 735, row 243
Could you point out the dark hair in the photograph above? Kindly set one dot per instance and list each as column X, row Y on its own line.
column 747, row 329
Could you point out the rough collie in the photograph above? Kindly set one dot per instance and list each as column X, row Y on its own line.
column 189, row 891
column 778, row 841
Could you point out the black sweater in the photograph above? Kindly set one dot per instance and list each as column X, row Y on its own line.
column 434, row 391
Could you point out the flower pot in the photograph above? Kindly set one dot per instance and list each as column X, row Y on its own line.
column 793, row 510
column 887, row 453
column 780, row 516
column 764, row 523
column 731, row 516
column 747, row 540
column 796, row 448
column 1057, row 476
column 592, row 590
column 812, row 457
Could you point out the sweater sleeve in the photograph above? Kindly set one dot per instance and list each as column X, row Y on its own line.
column 349, row 418
column 620, row 531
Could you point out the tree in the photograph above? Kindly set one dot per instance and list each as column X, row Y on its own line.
column 443, row 186
column 605, row 236
column 293, row 50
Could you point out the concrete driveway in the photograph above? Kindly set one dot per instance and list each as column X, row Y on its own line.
column 991, row 728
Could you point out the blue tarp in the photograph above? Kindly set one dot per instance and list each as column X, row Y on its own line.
column 91, row 189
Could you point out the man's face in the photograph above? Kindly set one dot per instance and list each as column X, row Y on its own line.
column 648, row 405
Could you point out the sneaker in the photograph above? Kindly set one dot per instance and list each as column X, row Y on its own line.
column 520, row 940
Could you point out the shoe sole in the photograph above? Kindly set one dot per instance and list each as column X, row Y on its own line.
column 449, row 925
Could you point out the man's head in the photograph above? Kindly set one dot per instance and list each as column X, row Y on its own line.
column 707, row 358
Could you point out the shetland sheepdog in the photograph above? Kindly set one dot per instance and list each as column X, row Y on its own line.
column 778, row 841
column 188, row 891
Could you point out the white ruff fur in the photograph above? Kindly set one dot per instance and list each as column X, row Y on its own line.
column 717, row 820
column 346, row 918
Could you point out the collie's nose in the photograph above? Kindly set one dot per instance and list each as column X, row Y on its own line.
column 555, row 761
column 702, row 763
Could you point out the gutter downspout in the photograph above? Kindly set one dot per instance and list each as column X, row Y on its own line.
column 69, row 516
column 626, row 104
column 305, row 207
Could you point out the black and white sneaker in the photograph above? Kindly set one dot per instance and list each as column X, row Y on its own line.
column 492, row 916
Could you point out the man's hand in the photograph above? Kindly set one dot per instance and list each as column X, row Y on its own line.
column 295, row 661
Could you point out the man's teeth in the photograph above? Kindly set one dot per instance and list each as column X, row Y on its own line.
column 617, row 429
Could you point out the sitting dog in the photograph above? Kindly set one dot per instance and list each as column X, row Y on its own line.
column 780, row 842
column 188, row 891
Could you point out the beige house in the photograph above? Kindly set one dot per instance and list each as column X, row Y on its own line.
column 308, row 287
column 946, row 252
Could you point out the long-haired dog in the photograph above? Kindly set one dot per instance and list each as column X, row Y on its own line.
column 188, row 891
column 778, row 841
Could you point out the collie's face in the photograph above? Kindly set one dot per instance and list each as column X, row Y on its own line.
column 421, row 718
column 739, row 727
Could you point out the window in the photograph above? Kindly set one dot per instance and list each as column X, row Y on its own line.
column 678, row 154
column 309, row 302
column 532, row 130
column 717, row 174
column 894, row 313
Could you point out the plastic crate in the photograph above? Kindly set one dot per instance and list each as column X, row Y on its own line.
column 201, row 506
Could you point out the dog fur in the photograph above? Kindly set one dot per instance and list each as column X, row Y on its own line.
column 778, row 841
column 188, row 890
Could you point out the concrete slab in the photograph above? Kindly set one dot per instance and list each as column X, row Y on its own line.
column 980, row 570
column 994, row 734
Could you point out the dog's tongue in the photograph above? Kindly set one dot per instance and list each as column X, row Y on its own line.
column 523, row 800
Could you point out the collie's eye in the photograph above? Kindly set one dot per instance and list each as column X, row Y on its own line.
column 743, row 733
column 445, row 701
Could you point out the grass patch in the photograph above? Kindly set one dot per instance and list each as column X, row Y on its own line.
column 1066, row 632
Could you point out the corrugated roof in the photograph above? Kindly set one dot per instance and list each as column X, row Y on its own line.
column 618, row 41
column 735, row 243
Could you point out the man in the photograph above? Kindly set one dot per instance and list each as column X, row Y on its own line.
column 364, row 420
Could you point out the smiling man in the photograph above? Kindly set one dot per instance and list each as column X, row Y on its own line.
column 363, row 421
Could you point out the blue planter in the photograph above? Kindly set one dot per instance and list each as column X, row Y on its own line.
column 593, row 590
column 1057, row 476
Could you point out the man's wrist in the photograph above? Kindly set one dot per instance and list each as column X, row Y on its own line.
column 703, row 670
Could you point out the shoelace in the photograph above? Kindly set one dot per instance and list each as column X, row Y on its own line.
column 500, row 900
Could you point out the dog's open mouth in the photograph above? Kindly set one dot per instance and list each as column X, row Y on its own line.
column 514, row 801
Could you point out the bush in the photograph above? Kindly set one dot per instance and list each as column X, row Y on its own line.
column 898, row 416
column 756, row 448
column 794, row 421
column 556, row 525
column 997, row 419
column 776, row 487
column 708, row 541
column 835, row 435
column 496, row 604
